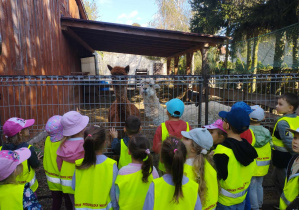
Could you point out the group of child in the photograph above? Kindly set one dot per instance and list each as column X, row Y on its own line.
column 219, row 166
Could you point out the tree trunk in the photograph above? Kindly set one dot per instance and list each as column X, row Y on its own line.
column 278, row 58
column 249, row 60
column 176, row 65
column 255, row 61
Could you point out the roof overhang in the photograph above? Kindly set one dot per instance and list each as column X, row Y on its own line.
column 111, row 37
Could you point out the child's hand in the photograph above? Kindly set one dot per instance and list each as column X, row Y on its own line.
column 39, row 155
column 113, row 133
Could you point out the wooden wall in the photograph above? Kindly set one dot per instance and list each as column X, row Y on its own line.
column 33, row 43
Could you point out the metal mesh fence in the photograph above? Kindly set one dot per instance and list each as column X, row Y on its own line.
column 40, row 97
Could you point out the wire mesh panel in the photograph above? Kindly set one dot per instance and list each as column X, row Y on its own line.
column 99, row 97
column 260, row 90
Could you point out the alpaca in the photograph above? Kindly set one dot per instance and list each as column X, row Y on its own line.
column 157, row 113
column 121, row 107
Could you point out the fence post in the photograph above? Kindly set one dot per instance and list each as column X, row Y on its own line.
column 205, row 75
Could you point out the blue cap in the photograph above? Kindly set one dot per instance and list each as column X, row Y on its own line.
column 237, row 118
column 242, row 105
column 175, row 107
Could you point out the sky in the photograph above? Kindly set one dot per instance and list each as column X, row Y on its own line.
column 127, row 11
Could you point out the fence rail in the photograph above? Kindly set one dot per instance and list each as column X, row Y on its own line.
column 40, row 97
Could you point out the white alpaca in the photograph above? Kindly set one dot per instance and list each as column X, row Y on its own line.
column 157, row 113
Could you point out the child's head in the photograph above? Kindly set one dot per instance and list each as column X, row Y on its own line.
column 198, row 141
column 73, row 123
column 295, row 142
column 257, row 115
column 10, row 164
column 236, row 121
column 132, row 125
column 16, row 129
column 175, row 107
column 217, row 131
column 287, row 103
column 54, row 128
column 242, row 105
column 173, row 155
column 139, row 148
column 94, row 141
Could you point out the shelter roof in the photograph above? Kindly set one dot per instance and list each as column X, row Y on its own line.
column 120, row 38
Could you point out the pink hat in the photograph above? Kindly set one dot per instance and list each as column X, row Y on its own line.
column 73, row 122
column 55, row 128
column 9, row 160
column 218, row 124
column 14, row 125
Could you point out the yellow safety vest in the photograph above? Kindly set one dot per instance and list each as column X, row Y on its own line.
column 66, row 176
column 165, row 134
column 27, row 176
column 132, row 191
column 263, row 159
column 50, row 165
column 278, row 143
column 93, row 186
column 290, row 191
column 11, row 196
column 124, row 158
column 210, row 177
column 233, row 190
column 163, row 195
column 253, row 137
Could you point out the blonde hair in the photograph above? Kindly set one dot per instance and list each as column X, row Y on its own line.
column 11, row 179
column 199, row 170
column 16, row 139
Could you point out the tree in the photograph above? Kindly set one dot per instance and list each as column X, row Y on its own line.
column 91, row 9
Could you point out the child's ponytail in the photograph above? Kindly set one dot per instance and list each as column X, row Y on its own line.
column 173, row 154
column 94, row 139
column 139, row 148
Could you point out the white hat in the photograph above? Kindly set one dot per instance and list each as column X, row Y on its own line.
column 257, row 114
column 293, row 131
column 201, row 136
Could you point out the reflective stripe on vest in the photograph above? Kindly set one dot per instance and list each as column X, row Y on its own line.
column 93, row 185
column 290, row 191
column 163, row 195
column 109, row 206
column 11, row 196
column 164, row 135
column 262, row 162
column 232, row 195
column 53, row 180
column 66, row 183
column 124, row 158
column 283, row 197
column 50, row 164
column 132, row 190
column 66, row 175
column 238, row 179
column 293, row 123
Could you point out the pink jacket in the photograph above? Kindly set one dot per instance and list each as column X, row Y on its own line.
column 70, row 151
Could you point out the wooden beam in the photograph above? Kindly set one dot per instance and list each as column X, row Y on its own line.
column 192, row 49
column 168, row 66
column 188, row 62
column 82, row 9
column 78, row 39
column 176, row 65
column 141, row 31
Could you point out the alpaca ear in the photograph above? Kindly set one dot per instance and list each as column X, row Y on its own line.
column 127, row 68
column 109, row 67
column 156, row 86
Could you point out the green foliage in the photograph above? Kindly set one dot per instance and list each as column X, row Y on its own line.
column 91, row 9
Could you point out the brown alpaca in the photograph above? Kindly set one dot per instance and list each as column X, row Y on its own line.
column 121, row 107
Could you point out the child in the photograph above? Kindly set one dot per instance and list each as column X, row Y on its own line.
column 132, row 127
column 217, row 132
column 54, row 129
column 173, row 190
column 198, row 166
column 171, row 127
column 12, row 194
column 95, row 174
column 16, row 131
column 234, row 160
column 262, row 146
column 133, row 180
column 282, row 138
column 71, row 148
column 290, row 194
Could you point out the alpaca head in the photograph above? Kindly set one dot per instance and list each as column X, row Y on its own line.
column 148, row 87
column 119, row 71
